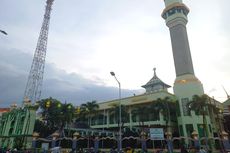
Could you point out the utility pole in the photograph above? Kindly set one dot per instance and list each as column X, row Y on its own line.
column 120, row 137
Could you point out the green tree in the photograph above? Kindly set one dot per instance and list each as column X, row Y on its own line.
column 142, row 113
column 167, row 107
column 199, row 105
column 124, row 114
column 89, row 109
column 43, row 130
column 202, row 105
column 56, row 115
column 80, row 118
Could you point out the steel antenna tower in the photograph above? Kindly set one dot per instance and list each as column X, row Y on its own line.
column 35, row 79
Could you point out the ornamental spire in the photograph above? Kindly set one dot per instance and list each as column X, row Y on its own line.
column 154, row 69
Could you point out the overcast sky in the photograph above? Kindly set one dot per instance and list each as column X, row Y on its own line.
column 90, row 38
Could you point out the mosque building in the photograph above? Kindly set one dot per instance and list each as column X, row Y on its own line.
column 186, row 85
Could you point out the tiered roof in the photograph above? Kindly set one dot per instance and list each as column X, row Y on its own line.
column 155, row 84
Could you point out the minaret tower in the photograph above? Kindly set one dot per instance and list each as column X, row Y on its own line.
column 175, row 15
column 35, row 79
column 186, row 84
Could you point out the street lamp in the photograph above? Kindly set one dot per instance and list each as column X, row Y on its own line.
column 120, row 142
column 3, row 32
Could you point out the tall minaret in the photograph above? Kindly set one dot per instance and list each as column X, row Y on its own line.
column 175, row 15
column 186, row 84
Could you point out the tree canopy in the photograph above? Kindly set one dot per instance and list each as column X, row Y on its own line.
column 55, row 114
column 124, row 114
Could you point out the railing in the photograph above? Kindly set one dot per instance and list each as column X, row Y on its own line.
column 137, row 143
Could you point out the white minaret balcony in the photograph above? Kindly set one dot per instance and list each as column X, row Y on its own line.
column 175, row 11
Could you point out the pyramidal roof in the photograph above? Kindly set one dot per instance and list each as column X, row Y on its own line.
column 155, row 84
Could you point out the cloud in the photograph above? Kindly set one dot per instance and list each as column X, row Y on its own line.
column 91, row 38
column 70, row 87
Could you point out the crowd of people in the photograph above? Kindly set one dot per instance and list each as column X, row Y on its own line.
column 183, row 149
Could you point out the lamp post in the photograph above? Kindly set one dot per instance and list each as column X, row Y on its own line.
column 5, row 33
column 119, row 142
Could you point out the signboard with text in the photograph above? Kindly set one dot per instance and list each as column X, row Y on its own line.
column 157, row 133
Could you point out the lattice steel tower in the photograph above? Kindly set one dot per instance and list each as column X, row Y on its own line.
column 35, row 79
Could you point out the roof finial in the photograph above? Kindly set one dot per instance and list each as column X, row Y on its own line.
column 154, row 69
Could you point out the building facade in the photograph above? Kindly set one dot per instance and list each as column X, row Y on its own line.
column 16, row 127
column 155, row 89
column 150, row 116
